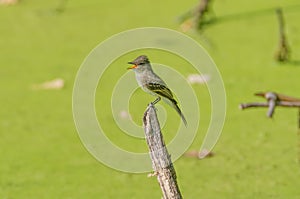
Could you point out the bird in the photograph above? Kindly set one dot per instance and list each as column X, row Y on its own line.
column 151, row 83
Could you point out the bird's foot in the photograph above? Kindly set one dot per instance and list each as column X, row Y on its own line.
column 155, row 101
column 151, row 104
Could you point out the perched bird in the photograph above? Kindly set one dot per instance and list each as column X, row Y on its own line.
column 153, row 84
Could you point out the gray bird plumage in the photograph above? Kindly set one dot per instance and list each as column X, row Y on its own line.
column 153, row 84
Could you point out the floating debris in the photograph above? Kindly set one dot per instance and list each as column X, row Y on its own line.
column 198, row 79
column 55, row 84
column 200, row 155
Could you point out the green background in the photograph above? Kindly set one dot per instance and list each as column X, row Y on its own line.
column 41, row 155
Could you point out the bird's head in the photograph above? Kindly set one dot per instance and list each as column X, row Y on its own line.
column 139, row 62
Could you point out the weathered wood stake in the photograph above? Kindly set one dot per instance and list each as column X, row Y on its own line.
column 161, row 159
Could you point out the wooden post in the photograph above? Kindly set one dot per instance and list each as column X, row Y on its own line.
column 161, row 159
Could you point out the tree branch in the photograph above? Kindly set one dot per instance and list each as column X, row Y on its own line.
column 283, row 52
column 266, row 104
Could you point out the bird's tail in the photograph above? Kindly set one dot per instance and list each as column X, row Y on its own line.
column 173, row 103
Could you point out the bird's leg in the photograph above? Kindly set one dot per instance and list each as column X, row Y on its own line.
column 155, row 101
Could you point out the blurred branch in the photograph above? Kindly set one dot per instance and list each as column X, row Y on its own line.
column 283, row 52
column 203, row 9
column 266, row 104
column 196, row 17
column 161, row 159
column 273, row 99
column 186, row 21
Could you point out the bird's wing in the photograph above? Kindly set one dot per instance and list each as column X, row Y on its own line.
column 160, row 90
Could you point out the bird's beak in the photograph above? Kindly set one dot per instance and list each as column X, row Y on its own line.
column 133, row 66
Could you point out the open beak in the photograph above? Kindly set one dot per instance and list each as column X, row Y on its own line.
column 133, row 66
